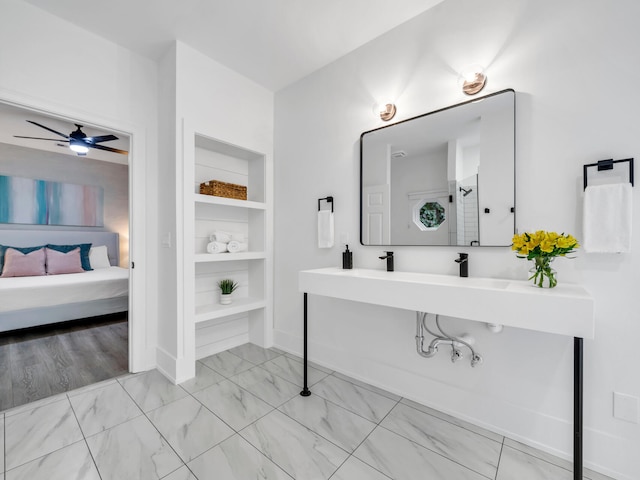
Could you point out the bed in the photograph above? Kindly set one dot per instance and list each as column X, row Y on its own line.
column 58, row 298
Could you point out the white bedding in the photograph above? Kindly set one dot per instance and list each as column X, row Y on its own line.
column 34, row 292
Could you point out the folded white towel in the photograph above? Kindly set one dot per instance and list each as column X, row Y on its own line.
column 219, row 236
column 325, row 229
column 234, row 246
column 607, row 218
column 226, row 237
column 217, row 247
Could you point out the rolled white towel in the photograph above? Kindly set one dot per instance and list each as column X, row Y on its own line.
column 217, row 247
column 220, row 236
column 235, row 246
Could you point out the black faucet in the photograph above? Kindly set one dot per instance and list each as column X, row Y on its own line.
column 463, row 260
column 389, row 258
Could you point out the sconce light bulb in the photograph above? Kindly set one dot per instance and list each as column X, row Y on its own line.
column 469, row 76
column 473, row 79
column 385, row 110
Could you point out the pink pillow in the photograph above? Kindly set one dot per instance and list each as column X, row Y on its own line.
column 59, row 262
column 18, row 264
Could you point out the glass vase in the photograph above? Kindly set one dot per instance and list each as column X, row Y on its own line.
column 542, row 274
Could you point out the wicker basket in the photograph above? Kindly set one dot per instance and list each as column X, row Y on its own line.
column 222, row 189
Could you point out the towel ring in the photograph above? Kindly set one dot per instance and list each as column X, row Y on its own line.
column 606, row 165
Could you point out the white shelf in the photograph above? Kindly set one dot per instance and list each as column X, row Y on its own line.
column 228, row 257
column 240, row 305
column 228, row 202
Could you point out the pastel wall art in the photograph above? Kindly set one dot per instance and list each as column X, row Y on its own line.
column 41, row 202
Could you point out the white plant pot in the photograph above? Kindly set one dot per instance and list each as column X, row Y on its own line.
column 225, row 298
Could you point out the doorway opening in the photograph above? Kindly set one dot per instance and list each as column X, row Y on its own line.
column 55, row 340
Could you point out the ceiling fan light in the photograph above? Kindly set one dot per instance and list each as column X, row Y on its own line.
column 78, row 147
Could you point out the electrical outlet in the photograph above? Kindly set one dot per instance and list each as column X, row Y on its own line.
column 625, row 407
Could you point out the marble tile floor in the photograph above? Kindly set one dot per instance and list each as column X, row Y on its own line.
column 242, row 418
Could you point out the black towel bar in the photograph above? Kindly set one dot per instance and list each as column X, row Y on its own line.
column 328, row 200
column 606, row 165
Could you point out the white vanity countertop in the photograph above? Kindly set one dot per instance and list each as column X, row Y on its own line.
column 564, row 310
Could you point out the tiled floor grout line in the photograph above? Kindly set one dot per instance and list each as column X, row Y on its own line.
column 499, row 459
column 433, row 451
column 283, row 413
column 534, row 453
column 377, row 425
column 183, row 465
column 153, row 424
column 159, row 432
column 235, row 432
column 540, row 459
column 46, row 454
column 84, row 437
column 333, row 373
column 258, row 450
column 452, row 423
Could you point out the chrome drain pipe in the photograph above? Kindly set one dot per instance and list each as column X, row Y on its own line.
column 441, row 339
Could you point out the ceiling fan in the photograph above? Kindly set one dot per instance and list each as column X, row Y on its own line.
column 78, row 140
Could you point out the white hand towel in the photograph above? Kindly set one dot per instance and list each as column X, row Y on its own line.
column 216, row 247
column 607, row 218
column 325, row 229
column 219, row 236
column 234, row 246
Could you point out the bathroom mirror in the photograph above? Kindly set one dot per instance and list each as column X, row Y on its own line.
column 442, row 178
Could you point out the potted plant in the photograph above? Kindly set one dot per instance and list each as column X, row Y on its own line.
column 227, row 287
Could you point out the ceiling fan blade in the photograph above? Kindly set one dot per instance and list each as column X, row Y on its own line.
column 40, row 138
column 47, row 128
column 108, row 149
column 101, row 138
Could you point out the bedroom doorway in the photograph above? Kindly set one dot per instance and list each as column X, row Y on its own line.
column 89, row 340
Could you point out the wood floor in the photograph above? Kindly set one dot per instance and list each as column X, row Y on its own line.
column 44, row 361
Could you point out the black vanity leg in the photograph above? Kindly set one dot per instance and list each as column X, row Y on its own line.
column 305, row 390
column 577, row 407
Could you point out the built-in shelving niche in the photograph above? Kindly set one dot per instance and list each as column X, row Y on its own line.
column 217, row 326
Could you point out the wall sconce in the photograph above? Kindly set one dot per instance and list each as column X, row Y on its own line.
column 474, row 79
column 386, row 110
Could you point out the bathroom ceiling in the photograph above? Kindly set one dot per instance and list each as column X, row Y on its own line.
column 272, row 42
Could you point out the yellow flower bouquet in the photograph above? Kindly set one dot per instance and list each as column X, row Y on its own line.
column 542, row 247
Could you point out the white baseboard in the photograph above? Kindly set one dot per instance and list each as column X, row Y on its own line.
column 166, row 364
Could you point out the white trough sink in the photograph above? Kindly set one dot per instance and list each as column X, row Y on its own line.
column 565, row 310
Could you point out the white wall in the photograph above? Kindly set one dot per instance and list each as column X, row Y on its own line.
column 411, row 177
column 55, row 67
column 572, row 64
column 221, row 104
